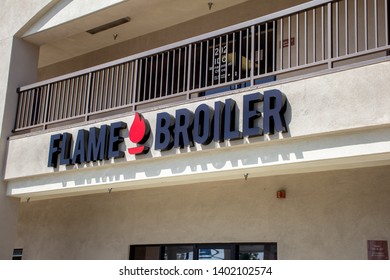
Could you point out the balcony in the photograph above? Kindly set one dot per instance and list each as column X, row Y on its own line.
column 307, row 39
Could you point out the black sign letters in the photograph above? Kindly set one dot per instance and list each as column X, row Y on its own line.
column 95, row 144
column 260, row 114
column 221, row 122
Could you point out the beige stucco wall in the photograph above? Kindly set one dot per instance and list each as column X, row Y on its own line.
column 328, row 215
column 335, row 118
column 18, row 66
column 19, row 62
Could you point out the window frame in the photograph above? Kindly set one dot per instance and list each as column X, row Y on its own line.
column 234, row 247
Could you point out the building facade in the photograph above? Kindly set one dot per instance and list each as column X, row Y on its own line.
column 240, row 129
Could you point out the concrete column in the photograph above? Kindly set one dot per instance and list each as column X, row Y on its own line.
column 19, row 67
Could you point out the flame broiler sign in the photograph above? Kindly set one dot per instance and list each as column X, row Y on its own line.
column 185, row 128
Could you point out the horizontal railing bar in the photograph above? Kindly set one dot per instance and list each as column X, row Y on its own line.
column 49, row 123
column 178, row 44
column 235, row 82
column 28, row 127
column 361, row 53
column 184, row 93
column 292, row 69
column 295, row 78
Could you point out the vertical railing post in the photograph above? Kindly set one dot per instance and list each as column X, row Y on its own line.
column 18, row 110
column 356, row 26
column 336, row 54
column 281, row 43
column 46, row 109
column 135, row 84
column 346, row 28
column 330, row 43
column 189, row 74
column 289, row 42
column 252, row 55
column 88, row 96
column 386, row 24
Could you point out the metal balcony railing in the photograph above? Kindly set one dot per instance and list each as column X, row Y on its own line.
column 317, row 35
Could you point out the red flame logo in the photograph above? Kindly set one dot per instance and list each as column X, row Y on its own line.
column 139, row 134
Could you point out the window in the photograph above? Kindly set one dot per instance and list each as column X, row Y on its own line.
column 146, row 252
column 17, row 254
column 216, row 252
column 179, row 252
column 228, row 251
column 257, row 252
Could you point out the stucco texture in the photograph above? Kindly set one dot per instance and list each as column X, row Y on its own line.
column 326, row 215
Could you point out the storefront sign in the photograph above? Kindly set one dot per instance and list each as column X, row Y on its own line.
column 185, row 128
column 220, row 123
column 93, row 145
